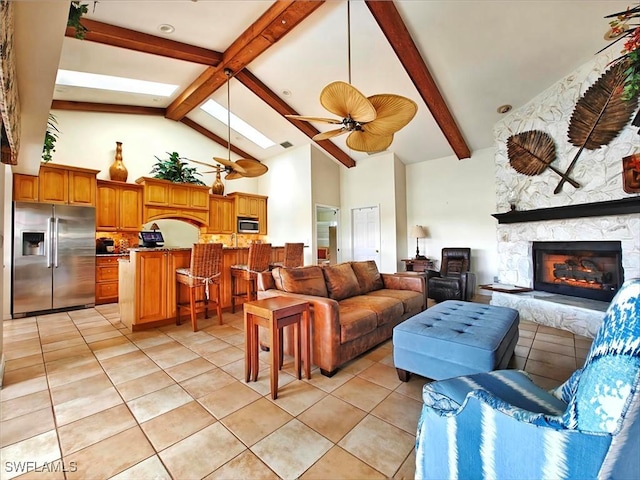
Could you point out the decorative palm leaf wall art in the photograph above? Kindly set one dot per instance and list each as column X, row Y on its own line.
column 600, row 114
column 532, row 152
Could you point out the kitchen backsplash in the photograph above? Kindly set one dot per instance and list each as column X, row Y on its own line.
column 231, row 240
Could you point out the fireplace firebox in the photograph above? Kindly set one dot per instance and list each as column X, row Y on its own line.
column 587, row 269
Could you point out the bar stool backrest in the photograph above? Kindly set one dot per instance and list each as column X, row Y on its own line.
column 259, row 257
column 293, row 255
column 206, row 259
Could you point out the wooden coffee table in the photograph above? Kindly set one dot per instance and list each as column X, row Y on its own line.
column 275, row 313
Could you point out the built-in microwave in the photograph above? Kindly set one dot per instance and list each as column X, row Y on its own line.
column 248, row 225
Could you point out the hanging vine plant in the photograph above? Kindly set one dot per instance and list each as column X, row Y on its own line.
column 76, row 11
column 50, row 139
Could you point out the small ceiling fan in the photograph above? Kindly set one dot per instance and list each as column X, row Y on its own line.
column 245, row 167
column 370, row 121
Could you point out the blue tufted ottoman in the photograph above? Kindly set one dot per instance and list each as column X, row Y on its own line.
column 455, row 338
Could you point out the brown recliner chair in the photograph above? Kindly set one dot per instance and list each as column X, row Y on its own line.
column 454, row 281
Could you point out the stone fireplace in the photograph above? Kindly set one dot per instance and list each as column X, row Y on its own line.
column 580, row 269
column 598, row 211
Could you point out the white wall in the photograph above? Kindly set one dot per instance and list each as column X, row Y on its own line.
column 5, row 265
column 289, row 207
column 89, row 140
column 6, row 180
column 372, row 183
column 325, row 191
column 454, row 199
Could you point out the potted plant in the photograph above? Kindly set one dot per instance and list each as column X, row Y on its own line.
column 175, row 170
column 50, row 138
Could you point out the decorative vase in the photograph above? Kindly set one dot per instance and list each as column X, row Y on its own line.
column 117, row 171
column 218, row 187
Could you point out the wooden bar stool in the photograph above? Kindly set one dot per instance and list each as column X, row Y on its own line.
column 259, row 256
column 275, row 313
column 203, row 273
column 293, row 256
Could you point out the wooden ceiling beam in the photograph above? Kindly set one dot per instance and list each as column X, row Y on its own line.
column 393, row 27
column 105, row 108
column 282, row 17
column 212, row 136
column 142, row 42
column 270, row 98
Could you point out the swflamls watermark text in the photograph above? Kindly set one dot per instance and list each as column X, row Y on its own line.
column 35, row 466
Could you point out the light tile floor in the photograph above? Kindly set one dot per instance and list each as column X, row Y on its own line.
column 85, row 398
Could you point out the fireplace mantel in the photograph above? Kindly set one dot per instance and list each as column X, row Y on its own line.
column 621, row 206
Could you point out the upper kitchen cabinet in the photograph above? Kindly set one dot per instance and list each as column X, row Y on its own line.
column 57, row 184
column 119, row 206
column 252, row 206
column 221, row 215
column 164, row 199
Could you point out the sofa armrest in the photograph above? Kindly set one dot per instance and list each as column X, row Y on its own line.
column 402, row 282
column 265, row 281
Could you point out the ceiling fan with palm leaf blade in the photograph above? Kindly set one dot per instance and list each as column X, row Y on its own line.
column 370, row 121
column 244, row 167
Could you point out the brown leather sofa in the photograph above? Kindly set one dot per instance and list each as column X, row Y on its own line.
column 353, row 306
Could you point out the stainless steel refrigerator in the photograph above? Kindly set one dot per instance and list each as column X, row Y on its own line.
column 53, row 257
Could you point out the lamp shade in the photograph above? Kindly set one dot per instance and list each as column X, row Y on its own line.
column 154, row 226
column 418, row 231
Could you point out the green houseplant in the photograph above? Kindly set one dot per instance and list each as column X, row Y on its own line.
column 175, row 170
column 50, row 138
column 76, row 11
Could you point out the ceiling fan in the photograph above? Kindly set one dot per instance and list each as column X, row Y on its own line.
column 245, row 167
column 370, row 121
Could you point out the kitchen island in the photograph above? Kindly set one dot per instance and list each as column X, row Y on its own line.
column 147, row 282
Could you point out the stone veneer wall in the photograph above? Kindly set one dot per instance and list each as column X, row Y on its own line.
column 599, row 173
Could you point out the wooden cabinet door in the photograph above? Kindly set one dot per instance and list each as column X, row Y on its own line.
column 130, row 209
column 254, row 206
column 179, row 196
column 107, row 206
column 156, row 193
column 262, row 215
column 54, row 185
column 242, row 206
column 199, row 198
column 152, row 286
column 82, row 188
column 227, row 218
column 25, row 188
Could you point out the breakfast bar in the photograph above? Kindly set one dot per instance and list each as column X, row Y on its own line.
column 147, row 285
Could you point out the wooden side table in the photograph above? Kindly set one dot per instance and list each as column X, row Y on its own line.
column 275, row 313
column 412, row 265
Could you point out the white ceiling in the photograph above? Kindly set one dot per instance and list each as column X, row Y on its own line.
column 481, row 53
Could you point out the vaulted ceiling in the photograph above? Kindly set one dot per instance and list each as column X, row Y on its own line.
column 459, row 60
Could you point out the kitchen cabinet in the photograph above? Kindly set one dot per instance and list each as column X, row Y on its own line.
column 164, row 199
column 222, row 217
column 107, row 279
column 252, row 206
column 57, row 184
column 118, row 206
column 147, row 286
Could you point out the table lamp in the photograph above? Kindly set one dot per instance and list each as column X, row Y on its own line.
column 419, row 232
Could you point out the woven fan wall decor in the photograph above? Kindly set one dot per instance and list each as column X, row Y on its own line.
column 532, row 152
column 600, row 114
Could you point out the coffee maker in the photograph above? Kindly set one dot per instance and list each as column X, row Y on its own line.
column 105, row 245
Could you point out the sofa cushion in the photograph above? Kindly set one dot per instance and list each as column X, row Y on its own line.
column 341, row 281
column 387, row 309
column 411, row 301
column 356, row 322
column 303, row 280
column 368, row 276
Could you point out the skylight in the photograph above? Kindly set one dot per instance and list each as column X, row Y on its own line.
column 243, row 128
column 118, row 84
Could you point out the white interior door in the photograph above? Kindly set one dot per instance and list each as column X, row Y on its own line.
column 366, row 234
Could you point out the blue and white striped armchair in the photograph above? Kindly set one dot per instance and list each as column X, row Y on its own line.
column 500, row 425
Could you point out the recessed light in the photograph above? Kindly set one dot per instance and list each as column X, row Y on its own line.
column 286, row 93
column 166, row 28
column 504, row 108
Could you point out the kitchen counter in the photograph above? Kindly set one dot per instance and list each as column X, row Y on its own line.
column 125, row 254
